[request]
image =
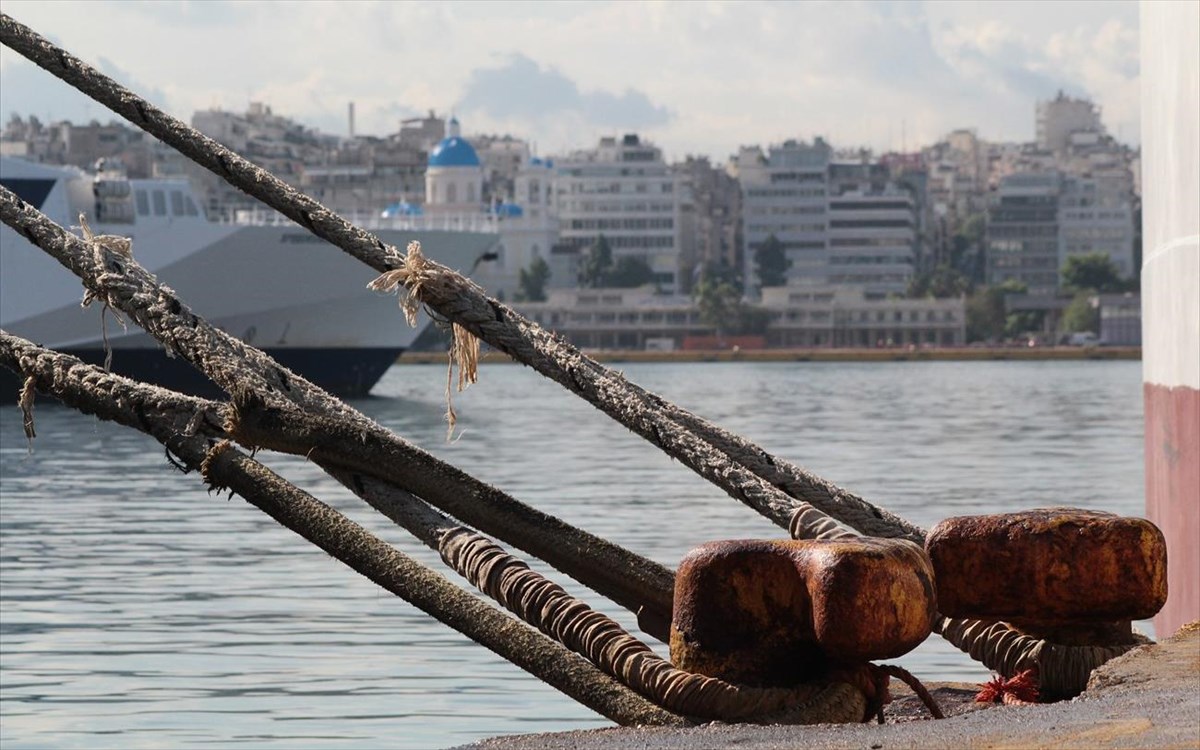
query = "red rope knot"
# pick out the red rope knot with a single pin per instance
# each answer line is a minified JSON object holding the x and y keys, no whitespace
{"x":872,"y":680}
{"x":1019,"y":690}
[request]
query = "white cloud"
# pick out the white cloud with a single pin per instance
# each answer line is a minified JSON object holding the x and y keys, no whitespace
{"x":695,"y":77}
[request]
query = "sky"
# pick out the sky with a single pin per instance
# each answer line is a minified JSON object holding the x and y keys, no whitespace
{"x":694,"y":77}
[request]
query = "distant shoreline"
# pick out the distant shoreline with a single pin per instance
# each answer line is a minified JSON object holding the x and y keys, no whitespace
{"x":948,"y":354}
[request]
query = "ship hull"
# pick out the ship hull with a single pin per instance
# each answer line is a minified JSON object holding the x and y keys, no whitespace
{"x":272,"y":285}
{"x":349,"y":372}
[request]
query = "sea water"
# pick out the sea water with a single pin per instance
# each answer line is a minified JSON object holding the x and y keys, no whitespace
{"x":137,"y":610}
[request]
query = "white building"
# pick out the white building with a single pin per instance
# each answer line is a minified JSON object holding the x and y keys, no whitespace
{"x":1061,"y":116}
{"x":1095,"y":215}
{"x":872,"y":239}
{"x":839,"y":222}
{"x":785,"y":195}
{"x":622,"y":189}
{"x":525,"y":223}
{"x":1022,"y":231}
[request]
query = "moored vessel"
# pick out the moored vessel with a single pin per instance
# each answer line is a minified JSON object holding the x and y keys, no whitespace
{"x":269,"y":282}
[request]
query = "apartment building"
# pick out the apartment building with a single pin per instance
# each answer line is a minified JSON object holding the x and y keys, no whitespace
{"x":839,"y":221}
{"x":711,"y":219}
{"x":785,"y":195}
{"x":622,"y":189}
{"x":1022,"y":231}
{"x":1096,"y":215}
{"x":1063,"y":115}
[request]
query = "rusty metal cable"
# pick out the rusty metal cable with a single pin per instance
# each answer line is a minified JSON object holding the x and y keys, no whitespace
{"x":545,"y":604}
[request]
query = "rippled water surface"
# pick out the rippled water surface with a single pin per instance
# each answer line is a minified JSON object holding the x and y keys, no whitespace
{"x":138,"y":611}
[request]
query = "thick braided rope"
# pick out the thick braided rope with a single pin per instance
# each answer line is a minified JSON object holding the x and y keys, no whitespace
{"x":809,"y":523}
{"x":185,"y":426}
{"x":493,"y":322}
{"x":629,"y":579}
{"x":547,"y":606}
{"x":1063,"y":670}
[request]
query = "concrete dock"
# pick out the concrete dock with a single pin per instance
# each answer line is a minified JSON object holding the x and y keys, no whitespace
{"x":1148,"y":698}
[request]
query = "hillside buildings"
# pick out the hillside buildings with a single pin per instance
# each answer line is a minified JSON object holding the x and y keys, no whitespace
{"x":847,"y":223}
{"x":1063,"y":116}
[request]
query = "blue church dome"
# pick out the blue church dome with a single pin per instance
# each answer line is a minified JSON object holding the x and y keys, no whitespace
{"x":453,"y":152}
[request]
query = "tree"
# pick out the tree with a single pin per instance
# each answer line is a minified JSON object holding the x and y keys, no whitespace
{"x":596,"y":264}
{"x":772,"y":262}
{"x":721,"y":306}
{"x":717,"y":303}
{"x":941,"y":283}
{"x":966,"y":253}
{"x":987,"y":317}
{"x":1080,"y":316}
{"x":1094,"y":271}
{"x":531,"y":282}
{"x":629,"y":271}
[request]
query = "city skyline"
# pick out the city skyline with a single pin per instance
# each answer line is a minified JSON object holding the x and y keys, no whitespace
{"x":886,"y":76}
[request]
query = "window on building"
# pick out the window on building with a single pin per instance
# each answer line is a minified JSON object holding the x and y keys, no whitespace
{"x":452,"y":193}
{"x":470,"y":192}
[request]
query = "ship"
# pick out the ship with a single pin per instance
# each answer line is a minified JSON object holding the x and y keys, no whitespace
{"x":254,"y":275}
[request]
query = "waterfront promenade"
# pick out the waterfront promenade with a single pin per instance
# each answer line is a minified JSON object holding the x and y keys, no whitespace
{"x":893,"y":354}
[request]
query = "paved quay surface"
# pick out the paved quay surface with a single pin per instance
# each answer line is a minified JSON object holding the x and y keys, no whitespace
{"x":1148,"y":698}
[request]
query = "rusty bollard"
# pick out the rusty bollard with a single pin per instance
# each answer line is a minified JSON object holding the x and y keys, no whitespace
{"x":782,"y":612}
{"x":1068,"y":578}
{"x":1058,"y":573}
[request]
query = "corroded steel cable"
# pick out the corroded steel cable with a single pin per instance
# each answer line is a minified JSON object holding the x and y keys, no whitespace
{"x":185,"y":425}
{"x":631,"y":580}
{"x":544,"y":604}
{"x":760,"y":480}
{"x":1062,"y":670}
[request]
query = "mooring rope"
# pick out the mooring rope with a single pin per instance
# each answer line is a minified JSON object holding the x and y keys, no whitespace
{"x":748,"y":473}
{"x":545,"y":604}
{"x":631,"y":580}
{"x":186,"y":426}
{"x":1062,"y":670}
{"x":666,"y":426}
{"x":809,"y":523}
{"x":480,"y":560}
